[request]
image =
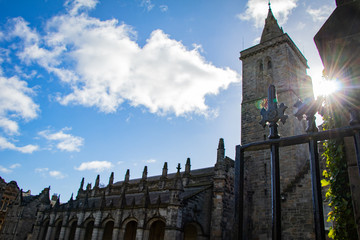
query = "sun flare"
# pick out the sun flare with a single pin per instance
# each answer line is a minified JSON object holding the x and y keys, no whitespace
{"x":326,"y":87}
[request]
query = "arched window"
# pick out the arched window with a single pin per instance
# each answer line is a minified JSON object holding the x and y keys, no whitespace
{"x":157,"y":230}
{"x":261,"y":67}
{"x":269,"y":64}
{"x":130,"y":230}
{"x":190,"y":232}
{"x":108,"y":230}
{"x":58,"y":229}
{"x":89,"y":230}
{"x":44,"y":230}
{"x":73,"y":226}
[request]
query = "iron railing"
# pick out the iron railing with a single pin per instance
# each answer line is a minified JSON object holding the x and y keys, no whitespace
{"x":271,"y":116}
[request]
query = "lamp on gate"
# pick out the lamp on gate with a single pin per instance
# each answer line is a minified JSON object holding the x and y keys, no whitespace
{"x":338,"y":43}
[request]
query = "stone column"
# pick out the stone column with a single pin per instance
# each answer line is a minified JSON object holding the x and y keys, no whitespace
{"x":120,"y":234}
{"x":100,"y":233}
{"x":67,"y":232}
{"x":82,"y":234}
{"x":173,"y":234}
{"x":97,"y":225}
{"x":142,"y":234}
{"x":218,"y":194}
{"x":79,"y":229}
{"x":117,"y":222}
{"x":50,"y":231}
{"x":64,"y":227}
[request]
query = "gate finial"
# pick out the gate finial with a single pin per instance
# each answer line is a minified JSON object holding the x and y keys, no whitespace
{"x":308,"y":108}
{"x":273,"y":114}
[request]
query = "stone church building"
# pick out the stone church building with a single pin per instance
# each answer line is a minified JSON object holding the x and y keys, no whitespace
{"x":195,"y":204}
{"x":189,"y":204}
{"x":275,"y":60}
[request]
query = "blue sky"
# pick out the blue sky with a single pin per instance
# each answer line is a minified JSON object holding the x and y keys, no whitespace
{"x":89,"y":87}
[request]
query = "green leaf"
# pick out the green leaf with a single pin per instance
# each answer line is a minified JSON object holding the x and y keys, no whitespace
{"x":324,"y":182}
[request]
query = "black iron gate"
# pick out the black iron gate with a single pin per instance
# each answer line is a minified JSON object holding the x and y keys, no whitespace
{"x":271,"y":116}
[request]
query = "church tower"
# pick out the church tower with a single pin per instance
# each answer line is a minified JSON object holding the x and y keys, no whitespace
{"x":275,"y":60}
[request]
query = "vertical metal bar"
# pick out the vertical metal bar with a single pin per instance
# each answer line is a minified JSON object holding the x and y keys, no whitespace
{"x":275,"y":192}
{"x":316,"y":191}
{"x":239,"y":191}
{"x":357,"y":147}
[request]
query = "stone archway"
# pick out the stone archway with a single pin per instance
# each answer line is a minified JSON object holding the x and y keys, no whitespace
{"x":44,"y":229}
{"x":58,"y":226}
{"x":108,"y":230}
{"x":157,"y":230}
{"x":89,"y":227}
{"x":130,"y":230}
{"x":73,"y":226}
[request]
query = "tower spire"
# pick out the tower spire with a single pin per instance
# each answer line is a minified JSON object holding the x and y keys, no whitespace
{"x":271,"y":28}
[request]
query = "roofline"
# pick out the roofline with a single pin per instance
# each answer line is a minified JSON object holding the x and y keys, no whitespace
{"x":265,"y":45}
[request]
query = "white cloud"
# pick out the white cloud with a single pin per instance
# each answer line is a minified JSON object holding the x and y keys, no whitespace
{"x":5,"y":144}
{"x":65,"y":141}
{"x":15,"y":103}
{"x":57,"y":174}
{"x":163,"y":8}
{"x":320,"y":14}
{"x":45,"y":172}
{"x":9,"y":169}
{"x":256,"y":11}
{"x":40,"y":170}
{"x":4,"y":170}
{"x":108,"y":67}
{"x":15,"y":165}
{"x":151,"y":160}
{"x":74,"y":6}
{"x":97,"y":166}
{"x":147,"y":4}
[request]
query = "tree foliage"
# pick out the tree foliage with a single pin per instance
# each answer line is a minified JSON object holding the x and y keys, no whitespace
{"x":336,"y":180}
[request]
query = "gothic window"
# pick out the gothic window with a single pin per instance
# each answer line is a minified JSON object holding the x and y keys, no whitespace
{"x":130,"y":230}
{"x":72,"y":230}
{"x":268,"y":76}
{"x":269,"y":65}
{"x":44,"y":230}
{"x":89,"y":230}
{"x":157,"y":230}
{"x":58,"y":229}
{"x":190,"y":232}
{"x":108,"y":230}
{"x":259,"y":75}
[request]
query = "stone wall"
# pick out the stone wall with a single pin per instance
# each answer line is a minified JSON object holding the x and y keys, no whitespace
{"x":8,"y":194}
